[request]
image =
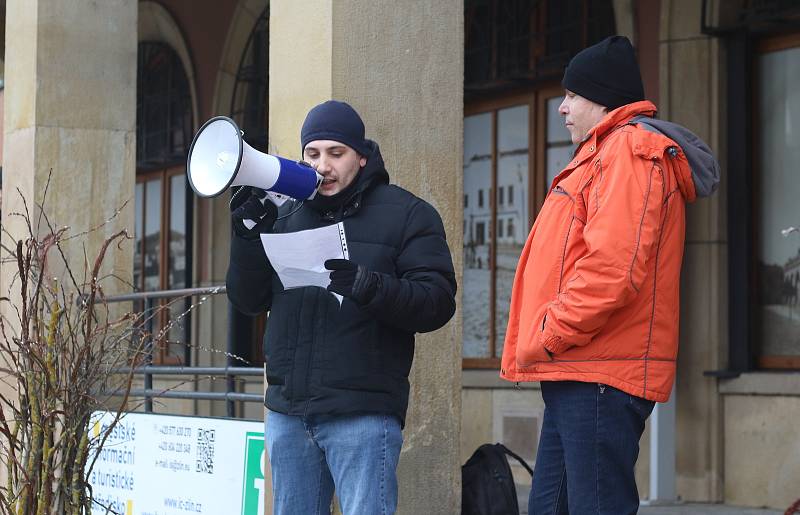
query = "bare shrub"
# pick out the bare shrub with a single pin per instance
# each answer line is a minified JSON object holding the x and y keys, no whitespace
{"x":59,"y":347}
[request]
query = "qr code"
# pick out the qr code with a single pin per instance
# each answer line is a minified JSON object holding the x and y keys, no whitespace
{"x":205,"y":450}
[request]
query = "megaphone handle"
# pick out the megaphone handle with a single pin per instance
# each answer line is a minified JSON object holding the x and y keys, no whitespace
{"x":271,"y":196}
{"x":276,"y":198}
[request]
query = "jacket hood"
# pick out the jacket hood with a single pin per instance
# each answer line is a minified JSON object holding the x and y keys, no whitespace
{"x":704,"y":166}
{"x":374,"y":172}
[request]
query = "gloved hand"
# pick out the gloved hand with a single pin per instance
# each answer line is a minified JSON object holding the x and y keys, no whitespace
{"x":352,"y":280}
{"x":251,"y":212}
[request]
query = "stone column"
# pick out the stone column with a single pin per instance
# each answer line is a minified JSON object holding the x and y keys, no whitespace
{"x":400,"y":64}
{"x":70,"y":111}
{"x":70,"y":114}
{"x":690,"y":94}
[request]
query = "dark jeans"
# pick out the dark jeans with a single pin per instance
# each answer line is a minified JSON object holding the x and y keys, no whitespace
{"x":587,"y":450}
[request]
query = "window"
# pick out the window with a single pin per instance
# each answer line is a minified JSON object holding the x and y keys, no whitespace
{"x":163,"y":107}
{"x":762,"y":123}
{"x":250,"y":110}
{"x":777,"y":108}
{"x":515,"y":142}
{"x":480,"y":238}
{"x":559,"y":147}
{"x":513,"y":42}
{"x":249,"y":104}
{"x":161,"y":252}
{"x":500,"y":152}
{"x":162,"y":235}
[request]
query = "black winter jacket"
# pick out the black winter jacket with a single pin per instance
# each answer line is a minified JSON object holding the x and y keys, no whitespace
{"x":323,"y":359}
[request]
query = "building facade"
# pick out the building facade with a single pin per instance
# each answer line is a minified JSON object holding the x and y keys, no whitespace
{"x":462,"y":95}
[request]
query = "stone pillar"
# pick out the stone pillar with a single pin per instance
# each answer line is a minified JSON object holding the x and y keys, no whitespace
{"x":70,"y":108}
{"x":690,"y":94}
{"x":400,"y":64}
{"x":70,"y":111}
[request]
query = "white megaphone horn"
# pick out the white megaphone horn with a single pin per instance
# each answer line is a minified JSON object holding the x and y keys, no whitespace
{"x":219,"y":158}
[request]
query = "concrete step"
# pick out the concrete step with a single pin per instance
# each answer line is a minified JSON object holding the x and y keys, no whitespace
{"x":704,"y":509}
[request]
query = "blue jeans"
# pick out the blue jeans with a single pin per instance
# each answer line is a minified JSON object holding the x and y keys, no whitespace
{"x":587,"y":450}
{"x":357,"y":455}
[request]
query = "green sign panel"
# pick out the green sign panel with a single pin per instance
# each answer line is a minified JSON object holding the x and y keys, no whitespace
{"x":253,"y":490}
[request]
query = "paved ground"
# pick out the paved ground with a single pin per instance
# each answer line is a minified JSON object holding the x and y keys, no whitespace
{"x":704,"y":509}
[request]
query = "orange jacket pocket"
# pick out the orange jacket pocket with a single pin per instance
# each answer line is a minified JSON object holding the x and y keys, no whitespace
{"x":531,"y":350}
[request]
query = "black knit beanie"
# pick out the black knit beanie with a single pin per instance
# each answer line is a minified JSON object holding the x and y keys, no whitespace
{"x":335,"y":121}
{"x":606,"y":73}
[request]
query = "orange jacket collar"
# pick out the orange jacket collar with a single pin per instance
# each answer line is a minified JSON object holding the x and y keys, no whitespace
{"x":620,"y":116}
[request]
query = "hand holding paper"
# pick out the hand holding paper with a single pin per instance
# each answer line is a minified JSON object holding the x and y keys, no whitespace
{"x":299,"y":257}
{"x":352,"y":280}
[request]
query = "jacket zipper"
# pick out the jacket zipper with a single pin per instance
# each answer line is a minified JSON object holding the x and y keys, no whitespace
{"x":310,"y":364}
{"x":336,"y":219}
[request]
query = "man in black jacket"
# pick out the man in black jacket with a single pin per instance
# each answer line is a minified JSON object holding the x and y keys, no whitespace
{"x":338,"y":375}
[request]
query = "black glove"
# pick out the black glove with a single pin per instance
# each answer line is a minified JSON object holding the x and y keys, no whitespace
{"x":247,"y":204}
{"x":349,"y":279}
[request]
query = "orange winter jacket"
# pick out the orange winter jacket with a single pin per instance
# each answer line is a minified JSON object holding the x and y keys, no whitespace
{"x":596,"y":291}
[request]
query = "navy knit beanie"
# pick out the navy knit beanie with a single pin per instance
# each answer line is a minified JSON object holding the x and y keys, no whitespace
{"x":606,"y":73}
{"x":336,"y":121}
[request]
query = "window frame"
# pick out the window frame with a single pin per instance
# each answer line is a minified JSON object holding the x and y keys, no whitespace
{"x":176,"y":77}
{"x":240,"y":110}
{"x":162,"y":354}
{"x":763,"y":45}
{"x":249,"y":330}
{"x":536,"y":100}
{"x":546,"y":59}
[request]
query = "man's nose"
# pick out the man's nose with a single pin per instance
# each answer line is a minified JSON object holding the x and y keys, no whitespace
{"x":323,"y":165}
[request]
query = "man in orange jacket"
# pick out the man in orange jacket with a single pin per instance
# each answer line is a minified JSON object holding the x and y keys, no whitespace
{"x":594,"y":308}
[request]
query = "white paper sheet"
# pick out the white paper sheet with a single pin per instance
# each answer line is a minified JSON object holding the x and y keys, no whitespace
{"x":299,"y":257}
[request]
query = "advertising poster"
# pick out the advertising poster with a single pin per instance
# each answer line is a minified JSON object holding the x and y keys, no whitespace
{"x":169,"y":465}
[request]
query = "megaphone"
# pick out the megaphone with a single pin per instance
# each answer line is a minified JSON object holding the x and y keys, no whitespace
{"x":219,"y":158}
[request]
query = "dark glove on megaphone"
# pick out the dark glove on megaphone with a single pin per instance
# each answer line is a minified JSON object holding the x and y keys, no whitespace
{"x":250,"y":203}
{"x":351,"y":280}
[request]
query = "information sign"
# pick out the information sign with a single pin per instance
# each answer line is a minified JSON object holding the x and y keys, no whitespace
{"x":164,"y":465}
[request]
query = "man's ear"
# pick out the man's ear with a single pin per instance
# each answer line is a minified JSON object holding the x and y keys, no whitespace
{"x":362,"y":161}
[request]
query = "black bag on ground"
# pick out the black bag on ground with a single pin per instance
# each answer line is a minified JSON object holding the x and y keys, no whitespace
{"x":487,"y":486}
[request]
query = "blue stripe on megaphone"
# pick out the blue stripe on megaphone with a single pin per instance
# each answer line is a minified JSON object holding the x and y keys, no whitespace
{"x":295,"y":180}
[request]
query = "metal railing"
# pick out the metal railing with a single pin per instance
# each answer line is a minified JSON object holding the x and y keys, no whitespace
{"x":148,"y":370}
